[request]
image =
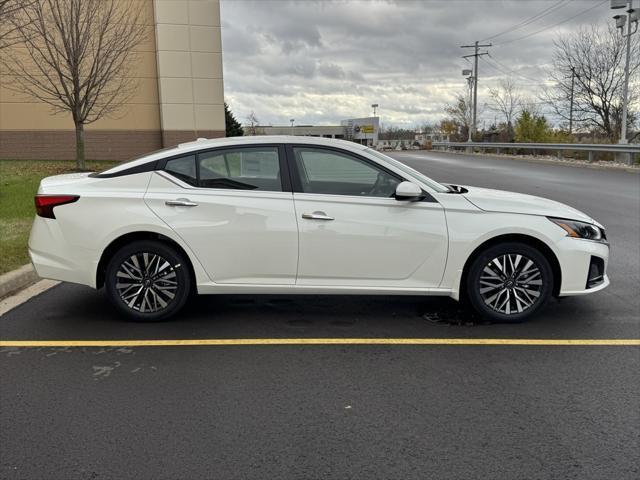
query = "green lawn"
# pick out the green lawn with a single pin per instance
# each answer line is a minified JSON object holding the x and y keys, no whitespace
{"x":19,"y":181}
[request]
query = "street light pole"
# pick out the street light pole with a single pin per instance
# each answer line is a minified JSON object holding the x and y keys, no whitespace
{"x":621,"y":20}
{"x":471,"y":80}
{"x":625,"y":87}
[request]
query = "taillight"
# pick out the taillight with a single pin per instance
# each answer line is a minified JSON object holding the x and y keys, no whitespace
{"x":46,"y":203}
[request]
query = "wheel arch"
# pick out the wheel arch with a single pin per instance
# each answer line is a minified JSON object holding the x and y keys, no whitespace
{"x":127,"y":238}
{"x":534,"y":242}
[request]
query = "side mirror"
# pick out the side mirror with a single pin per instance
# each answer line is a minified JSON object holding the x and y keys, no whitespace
{"x":409,"y":191}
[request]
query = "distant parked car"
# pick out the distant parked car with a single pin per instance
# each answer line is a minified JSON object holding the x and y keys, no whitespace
{"x":274,"y":215}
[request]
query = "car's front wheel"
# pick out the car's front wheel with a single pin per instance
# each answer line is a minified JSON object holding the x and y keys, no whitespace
{"x":148,"y":280}
{"x":509,"y":282}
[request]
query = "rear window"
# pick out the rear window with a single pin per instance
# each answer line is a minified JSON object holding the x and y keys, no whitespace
{"x":128,"y":166}
{"x":183,"y":168}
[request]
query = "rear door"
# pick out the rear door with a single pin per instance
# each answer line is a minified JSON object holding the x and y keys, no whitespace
{"x":234,"y":208}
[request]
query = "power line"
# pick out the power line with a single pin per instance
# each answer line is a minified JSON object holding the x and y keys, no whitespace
{"x":495,"y":60}
{"x":509,"y":70}
{"x":554,"y":25}
{"x":534,"y":18}
{"x":495,"y":67}
{"x":520,"y":84}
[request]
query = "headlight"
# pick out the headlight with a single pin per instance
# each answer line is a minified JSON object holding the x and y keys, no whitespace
{"x":583,"y":230}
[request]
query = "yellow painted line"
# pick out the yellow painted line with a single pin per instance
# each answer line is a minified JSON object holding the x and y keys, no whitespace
{"x":319,"y":341}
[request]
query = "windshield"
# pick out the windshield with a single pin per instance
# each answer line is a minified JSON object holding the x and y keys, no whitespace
{"x":409,"y":171}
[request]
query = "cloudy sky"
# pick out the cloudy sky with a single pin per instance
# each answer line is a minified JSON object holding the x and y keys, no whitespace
{"x":321,"y":61}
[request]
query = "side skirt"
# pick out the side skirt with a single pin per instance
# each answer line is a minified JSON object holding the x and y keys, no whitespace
{"x":239,"y":289}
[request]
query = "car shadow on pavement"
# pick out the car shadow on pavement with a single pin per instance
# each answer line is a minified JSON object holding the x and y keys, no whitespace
{"x":72,"y":311}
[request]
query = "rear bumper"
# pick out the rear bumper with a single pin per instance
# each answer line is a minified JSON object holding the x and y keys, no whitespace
{"x":55,"y":258}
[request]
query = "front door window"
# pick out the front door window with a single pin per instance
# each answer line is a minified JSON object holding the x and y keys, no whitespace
{"x":334,"y":173}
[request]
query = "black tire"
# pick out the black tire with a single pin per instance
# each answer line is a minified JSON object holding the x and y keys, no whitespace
{"x":163,"y":286}
{"x":488,"y":288}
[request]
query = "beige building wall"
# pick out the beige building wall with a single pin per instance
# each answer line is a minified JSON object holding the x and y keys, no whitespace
{"x":189,"y":54}
{"x":180,"y":94}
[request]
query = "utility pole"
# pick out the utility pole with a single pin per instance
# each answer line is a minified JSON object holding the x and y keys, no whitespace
{"x":573,"y":78}
{"x":476,"y":46}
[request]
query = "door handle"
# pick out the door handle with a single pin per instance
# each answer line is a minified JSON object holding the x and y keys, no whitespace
{"x":180,"y":202}
{"x":317,"y":215}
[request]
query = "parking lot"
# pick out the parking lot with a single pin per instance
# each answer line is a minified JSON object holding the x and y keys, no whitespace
{"x":277,"y":407}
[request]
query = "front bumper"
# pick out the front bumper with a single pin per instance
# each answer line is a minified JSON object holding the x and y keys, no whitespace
{"x":601,"y":286}
{"x":577,"y":257}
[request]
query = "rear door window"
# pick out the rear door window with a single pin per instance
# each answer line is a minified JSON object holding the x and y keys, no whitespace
{"x":250,"y":168}
{"x":243,"y":168}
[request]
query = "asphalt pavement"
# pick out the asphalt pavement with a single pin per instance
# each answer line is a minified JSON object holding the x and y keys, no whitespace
{"x":340,"y":411}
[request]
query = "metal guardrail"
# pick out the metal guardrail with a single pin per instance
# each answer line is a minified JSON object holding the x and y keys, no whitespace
{"x":588,"y":147}
{"x":624,"y":152}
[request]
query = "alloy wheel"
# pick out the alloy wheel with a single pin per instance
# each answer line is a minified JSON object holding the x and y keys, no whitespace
{"x":510,"y":283}
{"x":147,"y":282}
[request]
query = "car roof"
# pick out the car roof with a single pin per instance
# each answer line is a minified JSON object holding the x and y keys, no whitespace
{"x":208,"y":143}
{"x":215,"y":142}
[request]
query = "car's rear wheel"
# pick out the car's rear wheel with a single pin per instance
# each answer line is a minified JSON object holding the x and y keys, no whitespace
{"x":148,"y":280}
{"x":509,"y":282}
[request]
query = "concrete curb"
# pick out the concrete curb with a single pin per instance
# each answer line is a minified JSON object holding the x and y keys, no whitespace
{"x":18,"y":279}
{"x":18,"y":298}
{"x":563,"y":163}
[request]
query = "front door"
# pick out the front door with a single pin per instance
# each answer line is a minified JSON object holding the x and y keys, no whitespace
{"x":231,"y":207}
{"x":352,"y":232}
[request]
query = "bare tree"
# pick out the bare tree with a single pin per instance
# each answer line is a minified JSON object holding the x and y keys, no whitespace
{"x":396,"y":133}
{"x":461,"y":113}
{"x":77,"y":57}
{"x":9,"y":15}
{"x":596,"y":59}
{"x":447,"y":127}
{"x":253,"y":125}
{"x":506,"y":101}
{"x":427,"y":127}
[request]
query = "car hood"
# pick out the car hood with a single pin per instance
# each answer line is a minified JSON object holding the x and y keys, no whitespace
{"x":511,"y":202}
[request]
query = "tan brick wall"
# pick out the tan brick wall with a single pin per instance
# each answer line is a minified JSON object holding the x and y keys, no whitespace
{"x":174,"y":137}
{"x":60,"y":144}
{"x":101,"y":144}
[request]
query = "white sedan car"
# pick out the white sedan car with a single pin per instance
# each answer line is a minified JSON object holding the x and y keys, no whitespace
{"x":290,"y":215}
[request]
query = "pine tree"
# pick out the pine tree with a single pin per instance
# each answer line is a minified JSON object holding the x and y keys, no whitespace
{"x":533,"y":128}
{"x":233,"y":127}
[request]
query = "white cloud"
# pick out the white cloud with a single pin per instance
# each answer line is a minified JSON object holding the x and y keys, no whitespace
{"x":322,"y":61}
